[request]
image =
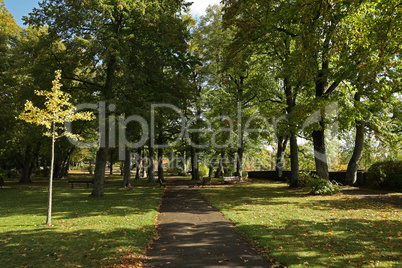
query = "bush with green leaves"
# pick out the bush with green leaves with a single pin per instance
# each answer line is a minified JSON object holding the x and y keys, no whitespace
{"x":385,"y":175}
{"x":203,"y":170}
{"x":317,"y":185}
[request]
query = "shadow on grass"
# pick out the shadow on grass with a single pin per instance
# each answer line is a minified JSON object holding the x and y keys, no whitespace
{"x":88,"y":232}
{"x":71,"y":203}
{"x":252,"y":194}
{"x":79,"y":248}
{"x":323,"y":231}
{"x":341,"y":243}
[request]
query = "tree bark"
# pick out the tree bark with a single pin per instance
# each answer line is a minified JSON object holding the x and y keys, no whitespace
{"x":161,"y":178}
{"x":185,"y":162}
{"x":111,"y":168}
{"x":50,"y":200}
{"x":26,"y":166}
{"x":294,"y":156}
{"x":320,"y":155}
{"x":100,"y":169}
{"x":138,"y":164}
{"x":221,"y":170}
{"x":151,"y":174}
{"x":103,"y":152}
{"x":239,"y":166}
{"x":127,"y":169}
{"x":353,"y":166}
{"x":280,"y":155}
{"x":194,"y":164}
{"x":294,"y":162}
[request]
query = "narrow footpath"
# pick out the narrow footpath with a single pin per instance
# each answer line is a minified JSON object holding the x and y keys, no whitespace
{"x":194,"y":234}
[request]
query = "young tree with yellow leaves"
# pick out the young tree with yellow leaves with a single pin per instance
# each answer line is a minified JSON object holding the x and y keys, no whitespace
{"x":58,"y":111}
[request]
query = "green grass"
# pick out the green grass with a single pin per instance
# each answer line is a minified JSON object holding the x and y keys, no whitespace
{"x":301,"y":230}
{"x":87,"y":232}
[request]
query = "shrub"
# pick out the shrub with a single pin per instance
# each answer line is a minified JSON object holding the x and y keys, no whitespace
{"x":244,"y":174}
{"x":385,"y":175}
{"x":317,"y":185}
{"x":3,"y":174}
{"x":203,"y":170}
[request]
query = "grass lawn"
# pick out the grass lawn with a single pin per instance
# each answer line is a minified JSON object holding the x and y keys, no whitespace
{"x":87,"y":232}
{"x":301,"y":230}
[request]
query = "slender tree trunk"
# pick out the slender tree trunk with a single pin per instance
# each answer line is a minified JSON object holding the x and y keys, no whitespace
{"x":353,"y":166}
{"x":239,"y":166}
{"x":127,"y":169}
{"x":161,"y":178}
{"x":49,"y":207}
{"x":26,"y":167}
{"x":221,"y":169}
{"x":280,"y":155}
{"x":185,"y":162}
{"x":294,"y":162}
{"x":111,"y":168}
{"x":151,"y":173}
{"x":194,"y":164}
{"x":138,"y":164}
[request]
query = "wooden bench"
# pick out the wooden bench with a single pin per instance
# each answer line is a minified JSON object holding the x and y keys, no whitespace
{"x":80,"y":182}
{"x":231,"y":179}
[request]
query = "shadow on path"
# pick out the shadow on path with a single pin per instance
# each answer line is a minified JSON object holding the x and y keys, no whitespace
{"x":194,"y":234}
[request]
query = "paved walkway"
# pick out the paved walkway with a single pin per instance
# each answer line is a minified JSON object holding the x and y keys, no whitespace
{"x":193,"y":234}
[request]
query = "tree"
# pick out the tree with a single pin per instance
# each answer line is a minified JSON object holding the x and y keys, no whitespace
{"x":108,"y":39}
{"x":58,"y":111}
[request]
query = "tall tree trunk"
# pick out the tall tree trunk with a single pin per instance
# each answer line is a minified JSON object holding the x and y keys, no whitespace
{"x":185,"y":162}
{"x":151,"y":174}
{"x":138,"y":164}
{"x":239,"y":166}
{"x":221,"y":169}
{"x":194,"y":164}
{"x":50,"y":200}
{"x":143,"y":167}
{"x":100,"y":169}
{"x":127,"y":169}
{"x":353,"y":166}
{"x":26,"y":166}
{"x":103,"y":152}
{"x":294,"y":162}
{"x":280,"y":155}
{"x":294,"y":157}
{"x":111,"y":168}
{"x":161,"y":179}
{"x":320,"y":155}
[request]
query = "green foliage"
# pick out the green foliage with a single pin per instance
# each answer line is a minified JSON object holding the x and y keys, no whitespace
{"x":203,"y":170}
{"x":244,"y":174}
{"x":3,"y":174}
{"x":317,"y":185}
{"x":387,"y":175}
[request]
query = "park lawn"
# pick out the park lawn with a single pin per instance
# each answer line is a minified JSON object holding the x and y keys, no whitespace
{"x":301,"y":230}
{"x":87,"y":232}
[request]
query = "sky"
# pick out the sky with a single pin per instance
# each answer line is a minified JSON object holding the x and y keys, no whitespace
{"x":20,"y":8}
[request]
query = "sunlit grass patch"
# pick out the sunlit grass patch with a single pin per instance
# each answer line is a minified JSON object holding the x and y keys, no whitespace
{"x":87,"y":232}
{"x":318,"y":231}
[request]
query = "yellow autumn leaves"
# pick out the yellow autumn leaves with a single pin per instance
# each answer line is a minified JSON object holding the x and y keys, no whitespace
{"x":57,"y":111}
